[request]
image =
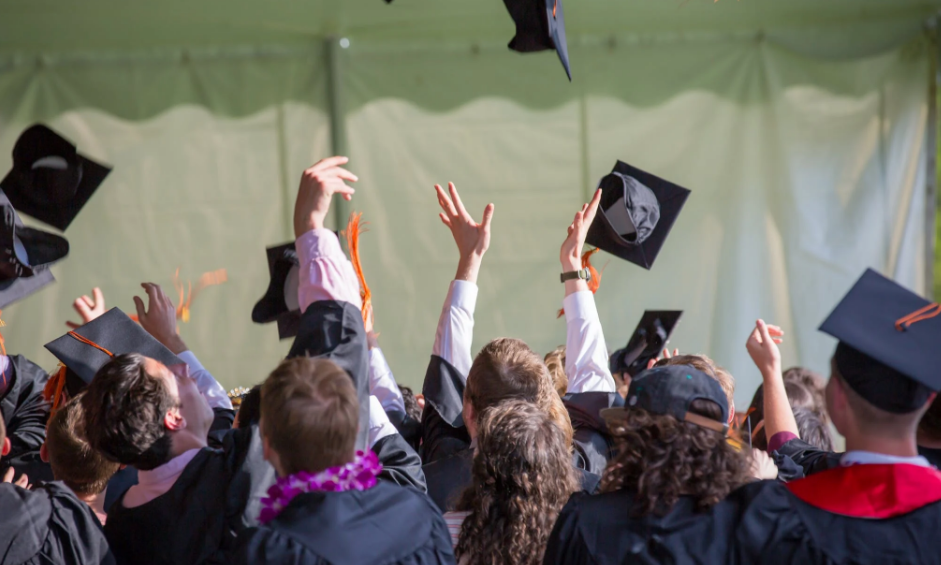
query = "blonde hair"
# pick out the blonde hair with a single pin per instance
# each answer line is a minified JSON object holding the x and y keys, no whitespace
{"x":555,"y":363}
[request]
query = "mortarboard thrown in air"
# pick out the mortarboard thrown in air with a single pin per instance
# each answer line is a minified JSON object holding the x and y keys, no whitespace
{"x":280,"y":302}
{"x":889,"y":346}
{"x":83,"y":351}
{"x":540,"y":25}
{"x":25,"y":256}
{"x":50,"y":180}
{"x":636,"y":213}
{"x":651,"y":336}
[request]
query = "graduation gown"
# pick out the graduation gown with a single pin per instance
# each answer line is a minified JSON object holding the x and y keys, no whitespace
{"x":861,"y":514}
{"x":386,"y":525}
{"x":25,"y":414}
{"x":48,"y":524}
{"x":601,"y":530}
{"x":592,"y":442}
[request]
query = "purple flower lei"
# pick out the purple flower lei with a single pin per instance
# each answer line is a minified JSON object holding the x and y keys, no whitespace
{"x":358,"y":474}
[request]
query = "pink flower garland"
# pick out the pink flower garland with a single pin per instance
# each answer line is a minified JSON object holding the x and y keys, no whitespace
{"x":358,"y":474}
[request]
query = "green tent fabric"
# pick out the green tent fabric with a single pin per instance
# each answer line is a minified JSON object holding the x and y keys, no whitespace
{"x":800,"y":127}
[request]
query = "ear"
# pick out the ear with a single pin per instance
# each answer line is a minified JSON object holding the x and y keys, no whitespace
{"x":44,"y":453}
{"x":731,"y":414}
{"x":7,"y":446}
{"x":173,"y":420}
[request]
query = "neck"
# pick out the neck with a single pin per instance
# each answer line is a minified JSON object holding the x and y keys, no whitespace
{"x":96,"y":502}
{"x":896,"y":447}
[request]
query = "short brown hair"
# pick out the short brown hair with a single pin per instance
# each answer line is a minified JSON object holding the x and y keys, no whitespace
{"x":555,"y":363}
{"x":815,"y":386}
{"x":72,"y":459}
{"x":310,"y":414}
{"x":706,"y":365}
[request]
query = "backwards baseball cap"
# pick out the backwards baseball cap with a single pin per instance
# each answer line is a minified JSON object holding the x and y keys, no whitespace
{"x":669,"y":391}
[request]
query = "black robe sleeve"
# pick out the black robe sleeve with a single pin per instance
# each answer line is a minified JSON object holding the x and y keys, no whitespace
{"x":400,"y":464}
{"x":334,"y":330}
{"x":442,"y":423}
{"x":801,"y":454}
{"x":25,"y":414}
{"x":593,"y":445}
{"x":566,"y":545}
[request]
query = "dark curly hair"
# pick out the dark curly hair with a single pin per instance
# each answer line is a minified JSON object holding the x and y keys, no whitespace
{"x":661,"y":458}
{"x":522,"y":476}
{"x":124,"y":413}
{"x":412,"y":409}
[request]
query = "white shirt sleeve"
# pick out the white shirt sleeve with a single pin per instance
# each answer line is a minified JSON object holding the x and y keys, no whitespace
{"x":382,"y":383}
{"x":456,"y":326}
{"x":324,"y":271}
{"x":586,"y":356}
{"x":379,"y":424}
{"x":205,"y":382}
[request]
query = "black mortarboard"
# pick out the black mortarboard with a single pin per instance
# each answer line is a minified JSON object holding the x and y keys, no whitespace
{"x":50,"y":180}
{"x":85,"y":350}
{"x":651,"y":336}
{"x":890,"y":343}
{"x":540,"y":25}
{"x":25,"y":256}
{"x":636,"y":213}
{"x":280,"y":302}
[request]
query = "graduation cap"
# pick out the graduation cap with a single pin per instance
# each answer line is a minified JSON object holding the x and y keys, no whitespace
{"x":280,"y":302}
{"x":650,"y":337}
{"x":540,"y":25}
{"x":890,"y":343}
{"x":25,"y":256}
{"x":636,"y":213}
{"x":50,"y":180}
{"x":83,"y":351}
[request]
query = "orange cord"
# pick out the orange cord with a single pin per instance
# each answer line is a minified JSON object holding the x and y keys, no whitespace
{"x":354,"y":228}
{"x":55,"y":387}
{"x":920,"y":315}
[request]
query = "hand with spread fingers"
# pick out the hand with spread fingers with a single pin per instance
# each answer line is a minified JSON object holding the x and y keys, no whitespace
{"x":571,"y":252}
{"x":88,"y":308}
{"x":472,"y":238}
{"x":159,"y":319}
{"x":22,"y":482}
{"x":665,"y":354}
{"x":318,"y":185}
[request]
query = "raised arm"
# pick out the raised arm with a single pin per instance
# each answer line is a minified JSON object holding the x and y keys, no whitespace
{"x":586,"y":355}
{"x":762,"y":346}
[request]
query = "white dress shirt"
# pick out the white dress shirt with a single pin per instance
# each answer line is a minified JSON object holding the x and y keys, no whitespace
{"x":382,"y":383}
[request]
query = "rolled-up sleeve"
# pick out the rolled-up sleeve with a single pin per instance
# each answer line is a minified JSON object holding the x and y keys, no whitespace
{"x":325,"y":272}
{"x":455,"y":332}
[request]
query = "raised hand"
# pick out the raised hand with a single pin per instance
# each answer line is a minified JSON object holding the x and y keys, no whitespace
{"x":22,"y":482}
{"x":159,"y":319}
{"x":472,"y":238}
{"x":318,"y":185}
{"x":762,"y":346}
{"x":665,"y":354}
{"x":88,"y":308}
{"x":571,"y":252}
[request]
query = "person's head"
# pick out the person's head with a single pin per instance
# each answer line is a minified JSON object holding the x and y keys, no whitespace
{"x":139,"y":412}
{"x":798,"y":396}
{"x":855,"y":414}
{"x":506,"y":369}
{"x":815,"y":385}
{"x":412,"y":409}
{"x":930,"y":425}
{"x":309,"y":416}
{"x":250,"y":409}
{"x":522,"y":476}
{"x":708,"y":366}
{"x":812,"y":429}
{"x":555,"y":363}
{"x":671,"y":441}
{"x":73,"y":461}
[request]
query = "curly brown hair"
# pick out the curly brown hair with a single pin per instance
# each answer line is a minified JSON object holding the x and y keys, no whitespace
{"x":522,"y":476}
{"x":661,"y":458}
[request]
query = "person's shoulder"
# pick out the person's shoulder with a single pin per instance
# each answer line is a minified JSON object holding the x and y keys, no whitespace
{"x":263,"y":544}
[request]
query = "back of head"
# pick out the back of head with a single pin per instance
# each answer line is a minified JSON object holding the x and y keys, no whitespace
{"x":812,"y":429}
{"x":555,"y":363}
{"x":505,"y":368}
{"x":250,"y":409}
{"x":661,"y":458}
{"x":522,"y":476}
{"x":72,"y":459}
{"x":708,"y":366}
{"x":815,"y":386}
{"x":798,"y":396}
{"x":412,"y":409}
{"x":871,"y":420}
{"x":309,"y":415}
{"x":124,"y":413}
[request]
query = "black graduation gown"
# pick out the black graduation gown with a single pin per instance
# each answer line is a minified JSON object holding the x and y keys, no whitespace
{"x":861,"y":515}
{"x":25,"y":414}
{"x":48,"y":524}
{"x":593,"y":445}
{"x":386,"y":525}
{"x":601,"y":530}
{"x":409,"y":428}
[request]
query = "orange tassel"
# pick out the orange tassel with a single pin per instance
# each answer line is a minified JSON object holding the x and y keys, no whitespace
{"x":595,"y":281}
{"x":185,"y":302}
{"x":54,"y":391}
{"x":354,"y":228}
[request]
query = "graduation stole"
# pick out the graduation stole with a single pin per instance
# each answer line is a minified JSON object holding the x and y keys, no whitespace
{"x":358,"y":474}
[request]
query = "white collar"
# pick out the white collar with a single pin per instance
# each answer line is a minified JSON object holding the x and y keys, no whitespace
{"x":870,"y":458}
{"x":171,"y":469}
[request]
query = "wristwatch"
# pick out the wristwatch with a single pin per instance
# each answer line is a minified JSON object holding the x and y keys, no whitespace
{"x":583,"y":274}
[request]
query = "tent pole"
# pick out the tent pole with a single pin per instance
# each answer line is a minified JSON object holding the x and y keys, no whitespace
{"x":931,"y":188}
{"x":333,"y":50}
